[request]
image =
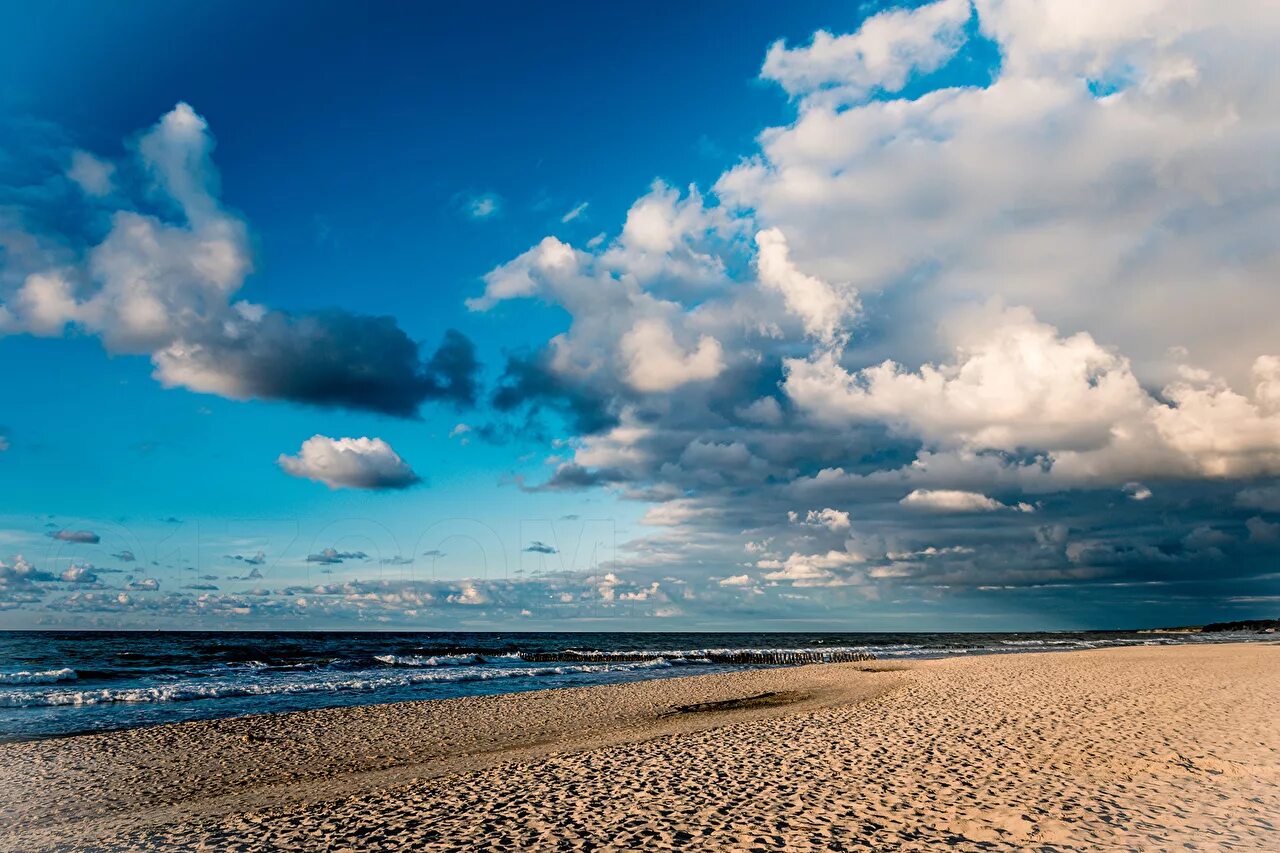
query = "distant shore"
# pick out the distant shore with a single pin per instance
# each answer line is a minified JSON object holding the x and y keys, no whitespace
{"x":1145,"y":746}
{"x":1251,"y":626}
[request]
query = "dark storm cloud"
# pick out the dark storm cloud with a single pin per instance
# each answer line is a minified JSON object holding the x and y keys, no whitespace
{"x":570,"y":477}
{"x":335,"y":360}
{"x":528,"y":383}
{"x":536,"y":547}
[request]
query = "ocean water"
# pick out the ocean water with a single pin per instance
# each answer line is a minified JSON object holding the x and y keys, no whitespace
{"x":61,"y":683}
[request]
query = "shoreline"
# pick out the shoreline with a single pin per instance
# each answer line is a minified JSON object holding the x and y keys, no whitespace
{"x":136,"y":786}
{"x":53,"y":699}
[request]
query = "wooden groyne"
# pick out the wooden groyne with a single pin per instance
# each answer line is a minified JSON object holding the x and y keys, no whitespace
{"x":780,"y":657}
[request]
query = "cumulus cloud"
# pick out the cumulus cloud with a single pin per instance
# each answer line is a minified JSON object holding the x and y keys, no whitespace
{"x":1021,"y":386}
{"x":657,"y":362}
{"x":470,"y":595}
{"x":1003,"y":256}
{"x":350,"y":463}
{"x":20,"y":573}
{"x":829,"y":569}
{"x":1017,"y":384}
{"x":168,"y":288}
{"x":832,"y":519}
{"x":954,"y":500}
{"x":825,"y":310}
{"x":988,"y":281}
{"x":79,"y":574}
{"x":885,"y":52}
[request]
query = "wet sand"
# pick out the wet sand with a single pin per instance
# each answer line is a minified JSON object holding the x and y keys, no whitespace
{"x":1147,"y":747}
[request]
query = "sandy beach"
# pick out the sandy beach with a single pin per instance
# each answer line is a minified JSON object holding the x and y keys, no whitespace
{"x":1148,"y":747}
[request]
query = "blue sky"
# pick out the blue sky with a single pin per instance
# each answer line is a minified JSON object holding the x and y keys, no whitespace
{"x":999,"y":210}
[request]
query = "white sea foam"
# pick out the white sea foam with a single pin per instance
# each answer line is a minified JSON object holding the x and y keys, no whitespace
{"x":184,"y":691}
{"x":701,"y":655}
{"x":48,"y":676}
{"x":433,"y":660}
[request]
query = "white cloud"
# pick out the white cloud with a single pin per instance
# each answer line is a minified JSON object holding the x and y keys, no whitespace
{"x":954,"y":500}
{"x":350,"y":463}
{"x":656,"y":362}
{"x":833,"y":519}
{"x":166,"y":287}
{"x":882,"y":55}
{"x":1016,"y":384}
{"x":824,"y":309}
{"x":91,"y":174}
{"x":996,"y":288}
{"x":483,"y":206}
{"x":470,"y":595}
{"x":829,"y":569}
{"x":79,"y":574}
{"x":43,"y":305}
{"x":673,"y":513}
{"x":524,"y":276}
{"x":575,"y":212}
{"x":736,"y":580}
{"x":1137,"y":491}
{"x":1107,"y":214}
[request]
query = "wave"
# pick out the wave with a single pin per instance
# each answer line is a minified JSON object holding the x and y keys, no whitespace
{"x":702,"y":655}
{"x":431,"y":660}
{"x":224,"y":688}
{"x":48,"y":676}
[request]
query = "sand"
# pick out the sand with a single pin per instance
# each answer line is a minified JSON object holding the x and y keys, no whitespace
{"x":1139,"y":748}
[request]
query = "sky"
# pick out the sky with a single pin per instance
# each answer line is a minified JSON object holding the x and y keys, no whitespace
{"x":755,"y":316}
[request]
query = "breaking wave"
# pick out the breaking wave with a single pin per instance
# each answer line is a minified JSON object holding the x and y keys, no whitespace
{"x":191,"y":690}
{"x":48,"y":676}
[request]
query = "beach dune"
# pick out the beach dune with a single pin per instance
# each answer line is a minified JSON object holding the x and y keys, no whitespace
{"x":1146,"y":747}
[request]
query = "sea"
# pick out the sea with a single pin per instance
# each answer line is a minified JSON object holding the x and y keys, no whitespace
{"x":55,"y":684}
